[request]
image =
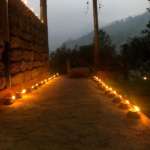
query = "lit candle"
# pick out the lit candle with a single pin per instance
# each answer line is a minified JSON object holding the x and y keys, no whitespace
{"x":145,"y":78}
{"x":135,"y":109}
{"x":127,"y":102}
{"x":23,"y":91}
{"x":36,"y":84}
{"x":13,"y":97}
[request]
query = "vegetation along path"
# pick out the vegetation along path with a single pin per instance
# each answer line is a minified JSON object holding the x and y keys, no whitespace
{"x":69,"y":114}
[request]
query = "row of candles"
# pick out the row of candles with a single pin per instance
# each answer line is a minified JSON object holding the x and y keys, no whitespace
{"x":117,"y":98}
{"x":20,"y":94}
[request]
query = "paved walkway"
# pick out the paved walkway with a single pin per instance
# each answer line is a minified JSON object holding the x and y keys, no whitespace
{"x":69,"y":114}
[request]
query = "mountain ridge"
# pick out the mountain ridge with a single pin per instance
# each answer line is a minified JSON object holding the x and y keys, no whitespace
{"x":120,"y":31}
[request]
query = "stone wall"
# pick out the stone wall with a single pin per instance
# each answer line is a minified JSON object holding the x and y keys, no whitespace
{"x":2,"y":68}
{"x":28,"y":52}
{"x":3,"y":39}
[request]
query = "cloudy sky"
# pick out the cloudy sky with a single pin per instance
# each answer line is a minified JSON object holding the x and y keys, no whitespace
{"x":70,"y":19}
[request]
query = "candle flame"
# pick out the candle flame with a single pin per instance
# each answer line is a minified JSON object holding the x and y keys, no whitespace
{"x":127,"y":102}
{"x":135,"y":109}
{"x":13,"y":97}
{"x":145,"y":78}
{"x":24,"y":91}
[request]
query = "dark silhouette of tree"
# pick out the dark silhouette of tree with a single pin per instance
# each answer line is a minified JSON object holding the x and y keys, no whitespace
{"x":137,"y":52}
{"x":83,"y":56}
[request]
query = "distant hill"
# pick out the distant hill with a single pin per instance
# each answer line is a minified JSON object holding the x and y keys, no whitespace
{"x":119,"y":31}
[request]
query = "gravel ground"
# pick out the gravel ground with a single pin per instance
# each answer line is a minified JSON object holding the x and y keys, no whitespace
{"x":70,"y":114}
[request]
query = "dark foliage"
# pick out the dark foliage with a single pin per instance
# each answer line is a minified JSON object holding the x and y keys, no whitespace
{"x":137,"y":52}
{"x":83,"y":56}
{"x":119,"y":31}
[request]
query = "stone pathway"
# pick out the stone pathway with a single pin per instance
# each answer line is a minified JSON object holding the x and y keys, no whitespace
{"x":69,"y":114}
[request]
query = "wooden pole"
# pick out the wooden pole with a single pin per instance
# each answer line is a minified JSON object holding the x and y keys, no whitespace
{"x":43,"y":11}
{"x":43,"y":18}
{"x":96,"y":34}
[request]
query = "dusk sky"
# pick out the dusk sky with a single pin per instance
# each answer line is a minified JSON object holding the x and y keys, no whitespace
{"x":70,"y":19}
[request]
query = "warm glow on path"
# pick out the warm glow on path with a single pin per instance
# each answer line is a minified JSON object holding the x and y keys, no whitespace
{"x":70,"y":114}
{"x":132,"y":109}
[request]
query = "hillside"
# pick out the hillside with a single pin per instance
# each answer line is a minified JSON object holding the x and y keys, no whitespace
{"x":119,"y":31}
